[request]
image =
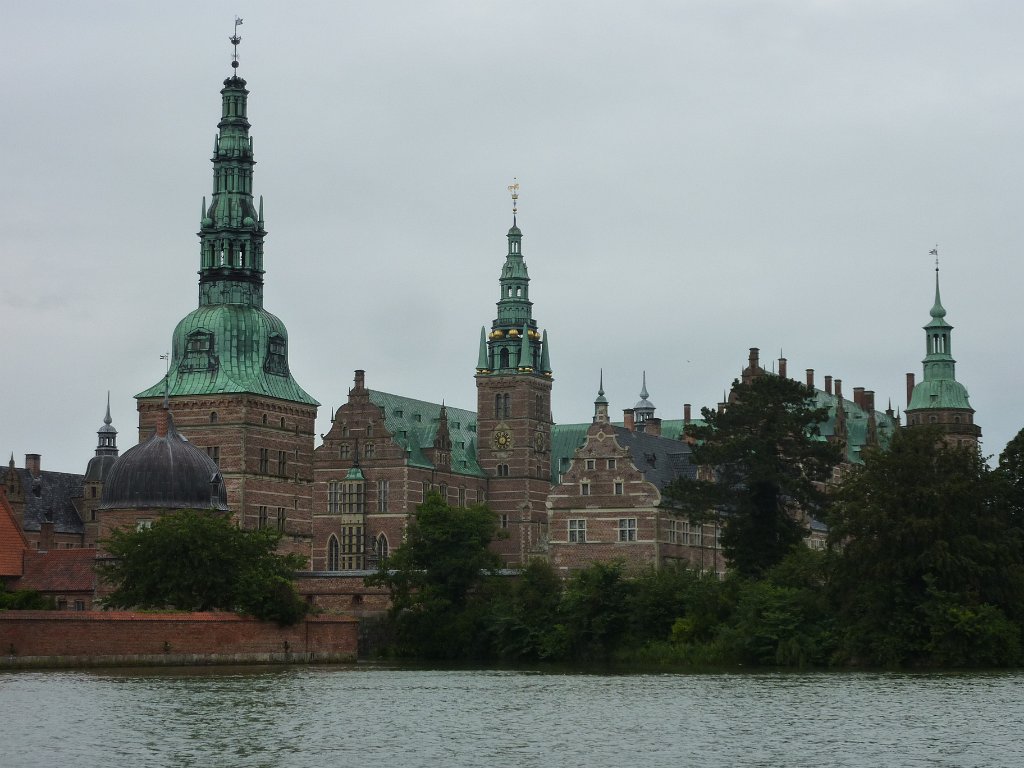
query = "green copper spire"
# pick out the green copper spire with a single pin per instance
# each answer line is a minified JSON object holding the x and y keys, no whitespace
{"x":481,"y":360}
{"x":514,"y":344}
{"x":230,"y":343}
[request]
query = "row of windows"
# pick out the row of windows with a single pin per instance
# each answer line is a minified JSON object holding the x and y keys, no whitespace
{"x":349,"y":553}
{"x":282,"y":462}
{"x":348,"y":498}
{"x":617,"y":488}
{"x":679,"y":531}
{"x":501,"y":470}
{"x":263,"y":519}
{"x":215,"y":418}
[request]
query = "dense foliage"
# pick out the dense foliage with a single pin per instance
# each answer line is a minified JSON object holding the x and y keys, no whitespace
{"x":25,"y":600}
{"x":926,"y":569}
{"x":201,"y":561}
{"x":767,"y":462}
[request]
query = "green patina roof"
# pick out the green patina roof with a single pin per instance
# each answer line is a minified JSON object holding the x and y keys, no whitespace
{"x":238,"y":357}
{"x":856,"y":425}
{"x":939,"y":394}
{"x":414,"y":425}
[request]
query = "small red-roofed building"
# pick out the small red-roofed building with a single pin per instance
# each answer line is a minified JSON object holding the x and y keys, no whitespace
{"x":66,"y":575}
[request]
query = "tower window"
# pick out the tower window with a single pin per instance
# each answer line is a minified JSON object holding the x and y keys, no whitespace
{"x":504,"y":358}
{"x":506,"y":402}
{"x":199,"y":352}
{"x":502,"y":470}
{"x":332,"y":553}
{"x":213,"y":417}
{"x":276,"y":361}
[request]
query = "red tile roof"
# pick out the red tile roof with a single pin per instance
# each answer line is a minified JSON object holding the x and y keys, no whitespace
{"x":12,"y":541}
{"x":59,"y":570}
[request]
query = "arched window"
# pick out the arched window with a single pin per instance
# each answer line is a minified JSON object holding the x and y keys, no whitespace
{"x":282,"y":422}
{"x":382,"y":546}
{"x":213,"y":417}
{"x":264,"y":418}
{"x":369,"y":430}
{"x":332,"y":553}
{"x":504,"y":358}
{"x":444,"y":491}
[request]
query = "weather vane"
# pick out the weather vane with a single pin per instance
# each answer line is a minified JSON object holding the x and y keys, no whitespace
{"x":514,"y":189}
{"x":166,"y":357}
{"x":935,"y":252}
{"x":235,"y":40}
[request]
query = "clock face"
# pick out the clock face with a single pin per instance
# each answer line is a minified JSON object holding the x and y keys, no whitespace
{"x":502,"y":440}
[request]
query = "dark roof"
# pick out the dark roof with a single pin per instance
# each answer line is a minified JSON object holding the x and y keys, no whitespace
{"x":661,"y":459}
{"x":59,"y":570}
{"x":99,"y":468}
{"x":164,"y":472}
{"x":52,"y":493}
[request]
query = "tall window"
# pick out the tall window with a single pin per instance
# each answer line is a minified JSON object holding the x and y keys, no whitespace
{"x":627,"y":529}
{"x":382,"y":546}
{"x":345,"y":450}
{"x":262,"y":517}
{"x":585,"y":488}
{"x":673,"y":531}
{"x":694,"y":533}
{"x":577,"y":531}
{"x":444,"y":491}
{"x":332,"y":553}
{"x":351,"y":547}
{"x":506,"y":403}
{"x":213,"y":417}
{"x":352,"y":498}
{"x":264,"y":461}
{"x":382,"y":495}
{"x":503,"y":521}
{"x":280,"y":519}
{"x":502,"y":470}
{"x":462,"y":496}
{"x":333,"y":497}
{"x":369,"y":450}
{"x":617,"y":487}
{"x":282,"y":463}
{"x":214,"y":453}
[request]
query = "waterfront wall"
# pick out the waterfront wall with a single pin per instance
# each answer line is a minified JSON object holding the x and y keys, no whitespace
{"x":123,"y":638}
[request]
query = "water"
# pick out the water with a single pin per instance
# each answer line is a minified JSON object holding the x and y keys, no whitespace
{"x":403,"y":718}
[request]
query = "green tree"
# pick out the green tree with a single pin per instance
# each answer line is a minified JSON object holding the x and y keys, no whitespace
{"x":439,"y":581}
{"x":929,"y":568}
{"x":768,"y":463}
{"x":524,"y":618}
{"x":200,"y":561}
{"x":1011,"y":473}
{"x":594,"y":613}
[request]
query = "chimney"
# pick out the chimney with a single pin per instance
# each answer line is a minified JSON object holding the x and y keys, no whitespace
{"x":360,"y":379}
{"x":752,"y":361}
{"x":858,"y":397}
{"x":810,"y":378}
{"x":653,"y":426}
{"x":32,"y":462}
{"x":686,"y":413}
{"x":627,"y":419}
{"x":869,"y":401}
{"x":828,"y":385}
{"x":782,"y":367}
{"x":839,"y":388}
{"x":910,"y":387}
{"x":46,"y":532}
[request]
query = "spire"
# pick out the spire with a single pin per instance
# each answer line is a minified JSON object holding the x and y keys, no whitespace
{"x":545,"y":358}
{"x":481,"y":360}
{"x":526,"y":351}
{"x":601,"y":403}
{"x":107,"y":443}
{"x":643,"y":388}
{"x":644,"y":409}
{"x":600,"y":389}
{"x":937,"y":311}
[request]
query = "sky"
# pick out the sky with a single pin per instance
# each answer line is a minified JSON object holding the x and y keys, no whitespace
{"x":697,"y":178}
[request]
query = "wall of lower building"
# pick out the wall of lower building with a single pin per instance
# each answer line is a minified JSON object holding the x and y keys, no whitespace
{"x":46,"y":638}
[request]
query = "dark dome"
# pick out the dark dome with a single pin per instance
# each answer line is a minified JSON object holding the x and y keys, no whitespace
{"x":99,"y":468}
{"x":165,"y":472}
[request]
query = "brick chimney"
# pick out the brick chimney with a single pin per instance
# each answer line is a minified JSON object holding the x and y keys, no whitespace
{"x":810,"y":378}
{"x":828,"y":385}
{"x":782,"y":367}
{"x":910,"y":387}
{"x":32,"y":463}
{"x":627,"y":419}
{"x":686,"y":413}
{"x":360,"y":379}
{"x":869,"y":401}
{"x":752,"y":360}
{"x":858,"y":397}
{"x":653,"y":426}
{"x":839,"y":388}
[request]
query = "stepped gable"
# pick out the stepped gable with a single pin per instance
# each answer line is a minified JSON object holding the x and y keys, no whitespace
{"x":52,"y":496}
{"x":660,"y":459}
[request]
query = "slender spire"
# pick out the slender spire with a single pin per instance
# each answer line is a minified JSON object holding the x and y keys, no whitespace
{"x":545,"y":357}
{"x":482,"y":363}
{"x":643,"y":387}
{"x":938,"y":311}
{"x":106,"y":419}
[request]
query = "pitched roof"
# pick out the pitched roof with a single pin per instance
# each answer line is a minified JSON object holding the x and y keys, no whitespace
{"x":661,"y":459}
{"x":13,"y":543}
{"x":414,"y":426}
{"x":51,"y":493}
{"x":59,"y":570}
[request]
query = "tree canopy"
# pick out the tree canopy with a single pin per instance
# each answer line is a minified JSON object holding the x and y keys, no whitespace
{"x":201,"y":561}
{"x":768,"y":462}
{"x":928,"y":563}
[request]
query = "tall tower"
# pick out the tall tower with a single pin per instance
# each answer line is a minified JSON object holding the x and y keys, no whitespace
{"x":513,"y":383}
{"x":228,"y":378}
{"x":96,"y":474}
{"x":939,"y":399}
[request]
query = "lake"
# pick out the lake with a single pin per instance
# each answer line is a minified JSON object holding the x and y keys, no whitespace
{"x":399,"y":717}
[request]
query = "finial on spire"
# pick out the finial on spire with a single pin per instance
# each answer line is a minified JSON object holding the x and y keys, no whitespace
{"x":643,"y":388}
{"x":235,"y":40}
{"x":106,"y":419}
{"x":938,"y":310}
{"x":513,"y":188}
{"x":935,"y":252}
{"x":166,"y":357}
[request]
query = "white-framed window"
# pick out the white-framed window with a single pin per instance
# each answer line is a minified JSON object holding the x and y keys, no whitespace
{"x":585,"y":488}
{"x":262,"y":517}
{"x":591,"y":463}
{"x":577,"y":531}
{"x":462,"y":496}
{"x":382,"y":546}
{"x":617,"y":487}
{"x":333,"y":496}
{"x":673,"y":531}
{"x":503,"y":470}
{"x":382,"y":495}
{"x":143,"y":524}
{"x":694,"y":533}
{"x":627,"y":529}
{"x":280,"y":518}
{"x":611,"y":463}
{"x":503,"y":521}
{"x":332,"y":553}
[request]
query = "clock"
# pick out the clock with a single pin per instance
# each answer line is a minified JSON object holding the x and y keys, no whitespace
{"x":501,"y":440}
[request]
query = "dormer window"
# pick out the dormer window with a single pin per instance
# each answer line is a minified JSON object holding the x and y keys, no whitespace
{"x":277,"y":355}
{"x":199,"y":352}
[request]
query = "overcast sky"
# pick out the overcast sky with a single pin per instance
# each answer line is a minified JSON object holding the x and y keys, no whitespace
{"x":697,"y":178}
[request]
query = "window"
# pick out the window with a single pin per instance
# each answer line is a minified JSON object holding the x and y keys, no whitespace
{"x":444,"y":492}
{"x":214,"y":453}
{"x":585,"y":488}
{"x":369,"y":430}
{"x":264,"y":418}
{"x":426,"y":489}
{"x":369,"y":450}
{"x":502,"y":470}
{"x":382,"y":496}
{"x":351,"y":547}
{"x":611,"y":463}
{"x":481,"y":496}
{"x":276,"y":361}
{"x":506,"y":404}
{"x":591,"y":463}
{"x":261,"y":521}
{"x":282,"y":422}
{"x":213,"y":417}
{"x":333,"y":496}
{"x":199,"y":353}
{"x":382,"y":546}
{"x":627,"y":529}
{"x":503,"y":521}
{"x":693,"y":533}
{"x":577,"y":531}
{"x":332,"y":553}
{"x":143,"y":524}
{"x":617,"y":486}
{"x":352,"y":498}
{"x":673,"y":531}
{"x":282,"y":463}
{"x":345,"y":450}
{"x":280,"y":519}
{"x":264,"y":461}
{"x":79,"y":605}
{"x":462,"y":496}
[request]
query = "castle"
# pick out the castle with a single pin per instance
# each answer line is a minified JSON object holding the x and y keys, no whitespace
{"x":573,"y":493}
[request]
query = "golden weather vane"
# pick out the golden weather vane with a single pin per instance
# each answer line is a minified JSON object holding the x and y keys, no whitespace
{"x":514,"y":189}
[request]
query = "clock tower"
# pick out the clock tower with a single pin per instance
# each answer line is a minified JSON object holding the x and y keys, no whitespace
{"x":513,"y":383}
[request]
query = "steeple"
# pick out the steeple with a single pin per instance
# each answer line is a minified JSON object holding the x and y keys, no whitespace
{"x":514,"y":344}
{"x":939,"y":398}
{"x":231,"y":231}
{"x":107,"y":444}
{"x":601,"y":402}
{"x":644,"y":409}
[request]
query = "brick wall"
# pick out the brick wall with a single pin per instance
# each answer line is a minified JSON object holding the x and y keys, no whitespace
{"x":55,"y":638}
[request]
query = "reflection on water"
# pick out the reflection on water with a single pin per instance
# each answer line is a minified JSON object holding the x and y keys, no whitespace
{"x":338,"y":716}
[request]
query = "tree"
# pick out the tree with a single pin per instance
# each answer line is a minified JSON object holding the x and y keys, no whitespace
{"x":768,"y":461}
{"x":929,"y":568}
{"x":201,"y":561}
{"x":438,"y":578}
{"x":1011,"y":473}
